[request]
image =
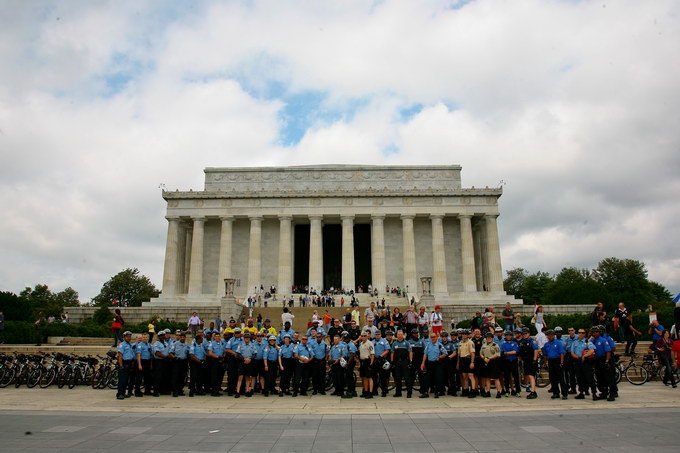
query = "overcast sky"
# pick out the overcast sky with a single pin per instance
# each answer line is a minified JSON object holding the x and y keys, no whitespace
{"x":574,"y":104}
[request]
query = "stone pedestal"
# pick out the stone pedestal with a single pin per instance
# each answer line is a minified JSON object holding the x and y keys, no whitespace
{"x":229,"y":308}
{"x":427,"y":300}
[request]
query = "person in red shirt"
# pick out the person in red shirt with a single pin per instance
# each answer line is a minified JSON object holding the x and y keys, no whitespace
{"x":676,"y":353}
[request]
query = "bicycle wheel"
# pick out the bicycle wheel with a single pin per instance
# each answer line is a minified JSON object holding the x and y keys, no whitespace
{"x":48,"y":378}
{"x":636,"y":374}
{"x":113,"y":378}
{"x":542,"y":375}
{"x":21,"y":376}
{"x":33,"y":377}
{"x":96,"y":379}
{"x":617,"y":374}
{"x":63,"y":377}
{"x":8,"y":377}
{"x":74,"y":378}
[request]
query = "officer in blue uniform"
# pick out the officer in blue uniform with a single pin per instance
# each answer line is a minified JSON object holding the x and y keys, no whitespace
{"x":349,"y":353}
{"x":528,"y":352}
{"x":287,"y":363}
{"x":381,"y":375}
{"x":583,"y":355}
{"x":417,"y":347}
{"x":318,"y":364}
{"x":402,"y":358}
{"x":553,"y":350}
{"x":260,"y":343}
{"x":569,"y":370}
{"x":142,"y":351}
{"x":510,"y":356}
{"x":602,"y":357}
{"x":303,"y":355}
{"x":197,"y":355}
{"x":216,"y":355}
{"x":611,"y":376}
{"x":233,"y":360}
{"x":126,"y":361}
{"x":160,"y":355}
{"x":448,"y":364}
{"x":247,"y":372}
{"x":179,"y":354}
{"x":271,"y":365}
{"x":287,"y":330}
{"x":337,"y":372}
{"x":433,"y":352}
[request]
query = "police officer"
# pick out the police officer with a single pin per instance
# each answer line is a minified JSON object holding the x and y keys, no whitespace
{"x":335,"y":355}
{"x":247,"y":367}
{"x":318,"y":364}
{"x":381,"y":372}
{"x":197,"y":355}
{"x":258,"y":361}
{"x":349,"y":354}
{"x":569,"y":370}
{"x":287,"y":364}
{"x":602,"y":358}
{"x":142,"y":351}
{"x":417,"y":347}
{"x":303,"y":355}
{"x":491,"y":354}
{"x":216,"y":354}
{"x":160,"y":352}
{"x":611,"y":376}
{"x":466,"y":365}
{"x":287,"y":330}
{"x":510,"y":356}
{"x":125,"y":363}
{"x":553,"y":351}
{"x":272,"y":363}
{"x":401,"y":356}
{"x":179,"y":353}
{"x":448,"y":364}
{"x":433,"y":352}
{"x":582,"y":356}
{"x":233,"y":361}
{"x":478,"y":369}
{"x":528,"y":352}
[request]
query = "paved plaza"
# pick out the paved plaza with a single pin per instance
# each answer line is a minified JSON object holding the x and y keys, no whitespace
{"x":644,"y":418}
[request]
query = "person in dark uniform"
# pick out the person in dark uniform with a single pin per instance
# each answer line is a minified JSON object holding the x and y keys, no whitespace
{"x":553,"y":351}
{"x":417,"y":347}
{"x":336,"y":329}
{"x":582,"y":354}
{"x":126,"y":361}
{"x":401,"y":356}
{"x":528,"y":352}
{"x":272,"y":363}
{"x":160,"y":352}
{"x":216,"y":354}
{"x":448,"y":364}
{"x":197,"y":355}
{"x":303,"y":355}
{"x":349,"y":354}
{"x":179,"y":353}
{"x":510,"y":357}
{"x":478,"y":370}
{"x":433,"y":353}
{"x":337,"y":370}
{"x":287,"y":365}
{"x":381,"y":372}
{"x":233,"y":361}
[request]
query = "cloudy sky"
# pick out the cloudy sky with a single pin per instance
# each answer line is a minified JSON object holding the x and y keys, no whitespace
{"x":574,"y":104}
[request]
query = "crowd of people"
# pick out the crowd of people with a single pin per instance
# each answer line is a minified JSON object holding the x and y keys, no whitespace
{"x":388,"y":350}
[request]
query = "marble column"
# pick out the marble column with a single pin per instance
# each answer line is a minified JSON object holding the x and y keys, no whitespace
{"x":440,"y":286}
{"x":315,"y":253}
{"x":467,"y":252}
{"x":493,"y":254}
{"x":196,"y":269}
{"x":224,"y":262}
{"x":171,"y":256}
{"x":285,"y":281}
{"x":378,"y":253}
{"x":182,"y":266}
{"x":255,"y":255}
{"x":348,"y":282}
{"x":479,"y":256}
{"x":188,"y":234}
{"x":409,"y":257}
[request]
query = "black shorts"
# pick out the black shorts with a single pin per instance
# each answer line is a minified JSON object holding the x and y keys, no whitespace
{"x":479,"y":367}
{"x":464,"y":364}
{"x":530,"y":367}
{"x":365,"y":369}
{"x":247,"y":369}
{"x":491,"y":370}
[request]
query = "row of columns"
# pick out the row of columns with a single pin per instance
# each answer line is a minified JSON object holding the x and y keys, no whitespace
{"x":473,"y":267}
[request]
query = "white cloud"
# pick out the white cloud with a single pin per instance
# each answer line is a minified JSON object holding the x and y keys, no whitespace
{"x":571,"y":103}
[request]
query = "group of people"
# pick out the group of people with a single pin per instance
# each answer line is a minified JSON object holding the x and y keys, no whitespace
{"x":465,"y":362}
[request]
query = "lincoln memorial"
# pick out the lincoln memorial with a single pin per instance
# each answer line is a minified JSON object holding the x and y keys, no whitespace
{"x":341,"y":226}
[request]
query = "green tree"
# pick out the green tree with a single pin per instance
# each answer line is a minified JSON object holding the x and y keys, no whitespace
{"x":67,"y":298}
{"x":43,"y":300}
{"x":514,"y":282}
{"x":575,"y":286}
{"x":15,"y":308}
{"x":626,"y":281}
{"x":660,"y":293}
{"x":127,"y":287}
{"x":535,"y":288}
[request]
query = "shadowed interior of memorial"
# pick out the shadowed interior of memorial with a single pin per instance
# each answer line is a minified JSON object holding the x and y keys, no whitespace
{"x":362,"y":255}
{"x":332,"y":256}
{"x":301,"y":256}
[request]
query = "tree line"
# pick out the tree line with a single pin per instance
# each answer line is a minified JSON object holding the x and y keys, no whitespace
{"x":613,"y":280}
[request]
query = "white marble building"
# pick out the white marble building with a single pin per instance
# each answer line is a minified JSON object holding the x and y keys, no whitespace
{"x":341,"y":226}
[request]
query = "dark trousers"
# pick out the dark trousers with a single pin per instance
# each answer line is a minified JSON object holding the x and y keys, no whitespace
{"x":272,"y":372}
{"x":668,"y":370}
{"x":631,"y":342}
{"x":287,"y":373}
{"x":350,"y":383}
{"x":569,"y":373}
{"x":318,"y":370}
{"x":232,"y":374}
{"x":196,"y":376}
{"x":511,"y":369}
{"x":124,"y":376}
{"x":301,"y":379}
{"x":380,"y":376}
{"x":166,"y":384}
{"x":601,"y":376}
{"x":611,"y":375}
{"x":144,"y":374}
{"x":449,"y":375}
{"x":338,"y":375}
{"x":415,"y":370}
{"x":158,"y":375}
{"x":216,"y":375}
{"x":584,"y":376}
{"x":402,"y":372}
{"x":179,"y":374}
{"x":556,"y":377}
{"x":206,"y":376}
{"x":433,"y":378}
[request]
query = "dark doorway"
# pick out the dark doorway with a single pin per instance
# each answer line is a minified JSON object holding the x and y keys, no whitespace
{"x":301,"y":270}
{"x":362,"y":255}
{"x":332,"y":256}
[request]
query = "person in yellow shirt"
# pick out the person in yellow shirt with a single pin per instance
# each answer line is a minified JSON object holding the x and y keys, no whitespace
{"x":250,"y":327}
{"x":230,"y":327}
{"x":151,"y":329}
{"x":267,"y":328}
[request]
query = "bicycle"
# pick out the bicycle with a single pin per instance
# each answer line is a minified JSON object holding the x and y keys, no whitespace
{"x":634,"y":373}
{"x":7,"y":370}
{"x":655,"y":368}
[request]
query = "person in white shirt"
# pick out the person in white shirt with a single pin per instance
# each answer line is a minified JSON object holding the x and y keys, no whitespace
{"x":287,"y":316}
{"x":436,"y":320}
{"x":423,"y":320}
{"x":541,"y":338}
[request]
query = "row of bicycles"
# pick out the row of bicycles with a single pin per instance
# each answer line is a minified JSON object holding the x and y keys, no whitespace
{"x":639,"y":372}
{"x":63,"y":370}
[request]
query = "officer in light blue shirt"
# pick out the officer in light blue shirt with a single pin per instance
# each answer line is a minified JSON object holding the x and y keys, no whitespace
{"x":318,"y":366}
{"x":179,"y":353}
{"x":271,"y":365}
{"x":382,"y":350}
{"x":433,"y":352}
{"x":603,"y":353}
{"x":126,"y":357}
{"x":312,"y":331}
{"x":160,"y":368}
{"x":613,"y":386}
{"x":286,"y":351}
{"x":498,"y":336}
{"x":197,"y":360}
{"x":553,"y":350}
{"x":216,"y":353}
{"x":287,"y":330}
{"x":582,"y":354}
